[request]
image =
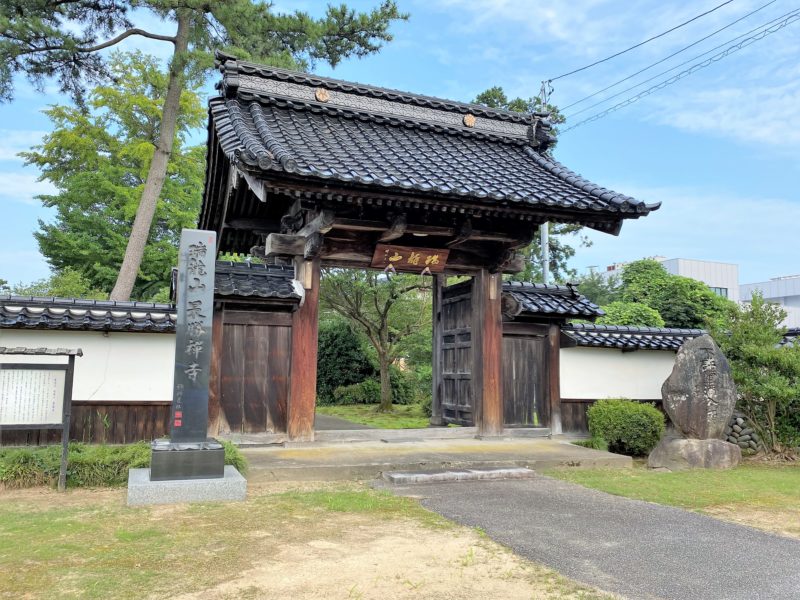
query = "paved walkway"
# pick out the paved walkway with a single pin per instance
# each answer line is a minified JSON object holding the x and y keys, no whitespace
{"x":395,"y":452}
{"x":633,"y":548}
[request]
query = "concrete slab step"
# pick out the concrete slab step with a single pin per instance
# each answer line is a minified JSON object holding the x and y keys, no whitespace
{"x":442,"y":475}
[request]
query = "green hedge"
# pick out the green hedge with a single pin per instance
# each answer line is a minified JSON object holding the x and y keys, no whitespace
{"x":627,"y":427}
{"x":87,"y":465}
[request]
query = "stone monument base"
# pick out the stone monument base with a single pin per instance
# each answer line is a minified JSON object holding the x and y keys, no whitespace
{"x":142,"y":490}
{"x":679,"y":454}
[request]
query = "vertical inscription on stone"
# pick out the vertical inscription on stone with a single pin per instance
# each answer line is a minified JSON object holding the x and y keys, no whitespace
{"x":195,"y":303}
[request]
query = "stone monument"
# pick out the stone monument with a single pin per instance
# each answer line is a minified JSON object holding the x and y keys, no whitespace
{"x":190,"y":466}
{"x":699,"y":397}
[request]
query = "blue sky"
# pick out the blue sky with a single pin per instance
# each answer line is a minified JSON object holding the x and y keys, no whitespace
{"x":720,"y":149}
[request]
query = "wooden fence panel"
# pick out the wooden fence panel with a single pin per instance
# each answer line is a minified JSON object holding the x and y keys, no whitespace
{"x":98,"y":422}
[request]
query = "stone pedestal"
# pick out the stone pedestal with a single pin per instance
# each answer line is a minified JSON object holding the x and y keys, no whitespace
{"x":677,"y":454}
{"x":142,"y":490}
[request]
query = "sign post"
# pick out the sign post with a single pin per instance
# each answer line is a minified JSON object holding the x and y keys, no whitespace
{"x":190,"y":454}
{"x":38,"y":396}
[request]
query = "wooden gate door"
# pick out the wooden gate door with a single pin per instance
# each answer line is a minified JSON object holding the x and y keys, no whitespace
{"x":456,"y":355}
{"x":252,"y":343}
{"x":525,"y":391}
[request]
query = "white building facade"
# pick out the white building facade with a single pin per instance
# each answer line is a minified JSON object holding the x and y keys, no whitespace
{"x":784,"y":291}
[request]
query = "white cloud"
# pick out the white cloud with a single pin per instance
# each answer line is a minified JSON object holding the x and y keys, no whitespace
{"x":12,"y":142}
{"x":705,"y":225}
{"x":23,"y":188}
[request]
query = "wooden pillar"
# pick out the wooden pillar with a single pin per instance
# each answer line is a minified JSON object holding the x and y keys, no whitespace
{"x":554,"y":377}
{"x":436,"y":405}
{"x":487,"y":348}
{"x":215,"y":373}
{"x":303,"y":370}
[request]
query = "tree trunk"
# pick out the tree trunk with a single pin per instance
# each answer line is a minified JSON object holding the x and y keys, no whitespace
{"x":158,"y":167}
{"x":386,"y":384}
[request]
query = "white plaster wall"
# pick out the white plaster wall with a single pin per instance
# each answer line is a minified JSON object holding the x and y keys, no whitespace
{"x":596,"y":373}
{"x":114,"y":366}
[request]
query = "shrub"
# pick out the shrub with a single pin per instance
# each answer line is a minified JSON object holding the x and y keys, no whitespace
{"x":365,"y":392}
{"x":87,"y":465}
{"x":341,"y":360}
{"x":631,"y":428}
{"x":403,"y":386}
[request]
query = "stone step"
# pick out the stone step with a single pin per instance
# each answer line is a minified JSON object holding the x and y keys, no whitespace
{"x":446,"y":475}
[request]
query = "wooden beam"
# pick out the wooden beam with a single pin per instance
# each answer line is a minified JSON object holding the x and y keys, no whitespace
{"x":284,"y":244}
{"x":463,"y":234}
{"x":396,"y":230}
{"x":487,"y":349}
{"x":303,"y":369}
{"x":215,"y":373}
{"x":313,"y":245}
{"x":322,"y":222}
{"x":255,"y":225}
{"x":437,"y":363}
{"x":256,"y":185}
{"x":554,"y":378}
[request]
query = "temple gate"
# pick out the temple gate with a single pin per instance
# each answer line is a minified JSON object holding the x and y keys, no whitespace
{"x":305,"y":172}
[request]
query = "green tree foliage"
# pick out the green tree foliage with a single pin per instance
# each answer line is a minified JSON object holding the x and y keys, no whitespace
{"x":495,"y":97}
{"x":681,"y":301}
{"x":767,"y":376}
{"x":66,"y":283}
{"x":560,"y":250}
{"x":65,"y":39}
{"x":599,"y":289}
{"x":387,"y":310}
{"x":630,"y":313}
{"x":341,"y":360}
{"x":98,"y":158}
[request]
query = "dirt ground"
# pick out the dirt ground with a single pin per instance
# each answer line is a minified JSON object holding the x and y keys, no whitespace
{"x":283,"y":542}
{"x":781,"y":521}
{"x":351,"y":557}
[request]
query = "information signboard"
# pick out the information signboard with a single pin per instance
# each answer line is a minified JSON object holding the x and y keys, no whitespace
{"x":32,"y":396}
{"x":38,"y":396}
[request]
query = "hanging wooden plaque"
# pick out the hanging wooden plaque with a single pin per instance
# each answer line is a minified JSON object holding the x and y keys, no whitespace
{"x":408,"y":259}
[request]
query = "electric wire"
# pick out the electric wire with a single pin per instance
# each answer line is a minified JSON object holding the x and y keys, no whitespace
{"x":655,"y":37}
{"x":701,"y":65}
{"x":678,"y":66}
{"x":666,"y":58}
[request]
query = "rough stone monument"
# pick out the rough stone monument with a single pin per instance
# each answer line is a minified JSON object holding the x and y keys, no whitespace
{"x":699,"y":397}
{"x":190,"y":466}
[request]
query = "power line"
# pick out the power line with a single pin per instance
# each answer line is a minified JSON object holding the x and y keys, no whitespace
{"x":655,"y":37}
{"x":679,"y":65}
{"x":647,"y":68}
{"x":701,"y":65}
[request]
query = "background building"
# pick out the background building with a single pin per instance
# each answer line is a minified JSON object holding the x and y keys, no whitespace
{"x":779,"y":290}
{"x":721,"y":278}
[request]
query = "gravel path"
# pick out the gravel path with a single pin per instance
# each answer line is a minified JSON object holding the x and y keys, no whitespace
{"x":633,"y":548}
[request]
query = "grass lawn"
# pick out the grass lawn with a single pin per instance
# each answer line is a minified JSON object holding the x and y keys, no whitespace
{"x":321,"y":541}
{"x":758,"y":494}
{"x":408,"y":416}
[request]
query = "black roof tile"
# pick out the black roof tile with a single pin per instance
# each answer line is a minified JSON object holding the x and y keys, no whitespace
{"x":231,"y":280}
{"x":28,"y":312}
{"x":273,"y":121}
{"x":791,"y":336}
{"x":538,"y":299}
{"x":255,"y":280}
{"x":629,"y":337}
